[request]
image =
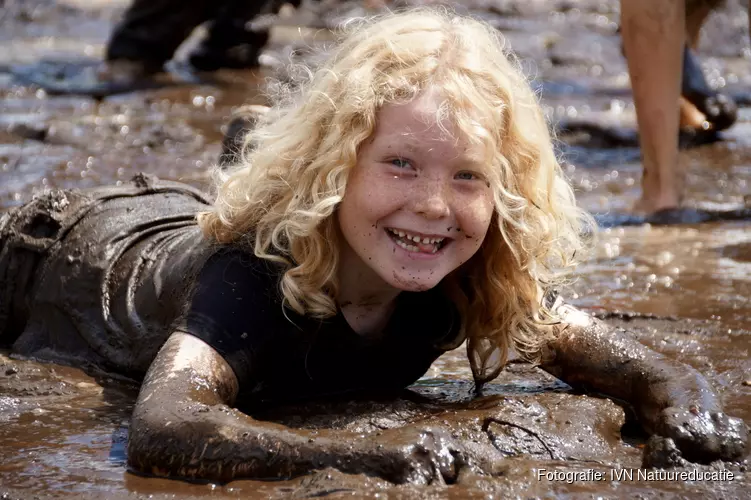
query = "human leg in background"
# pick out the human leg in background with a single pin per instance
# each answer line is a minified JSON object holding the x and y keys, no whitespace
{"x":653,"y":39}
{"x":148,"y":36}
{"x":230,"y":42}
{"x":150,"y":33}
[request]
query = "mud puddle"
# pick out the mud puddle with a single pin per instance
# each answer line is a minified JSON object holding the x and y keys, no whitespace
{"x":685,"y":291}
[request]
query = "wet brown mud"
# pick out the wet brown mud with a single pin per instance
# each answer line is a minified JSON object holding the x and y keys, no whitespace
{"x":683,"y":290}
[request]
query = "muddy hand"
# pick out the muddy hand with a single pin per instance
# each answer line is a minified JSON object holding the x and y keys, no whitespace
{"x":420,"y":456}
{"x":703,"y":436}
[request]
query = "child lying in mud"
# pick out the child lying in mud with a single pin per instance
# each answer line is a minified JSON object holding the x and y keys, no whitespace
{"x":406,"y":199}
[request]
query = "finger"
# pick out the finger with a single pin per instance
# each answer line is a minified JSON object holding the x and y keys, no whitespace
{"x":661,"y":452}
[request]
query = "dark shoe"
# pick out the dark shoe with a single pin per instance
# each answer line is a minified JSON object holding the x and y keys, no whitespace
{"x":690,"y":137}
{"x":125,"y":72}
{"x":210,"y":56}
{"x":92,"y":78}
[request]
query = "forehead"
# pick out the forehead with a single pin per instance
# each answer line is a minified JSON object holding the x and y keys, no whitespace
{"x":425,"y":124}
{"x":426,"y":115}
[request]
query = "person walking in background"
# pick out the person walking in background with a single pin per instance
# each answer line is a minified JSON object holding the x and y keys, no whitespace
{"x":654,"y":35}
{"x":148,"y":36}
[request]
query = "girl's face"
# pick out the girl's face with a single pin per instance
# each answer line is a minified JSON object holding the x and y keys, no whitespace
{"x":417,"y":204}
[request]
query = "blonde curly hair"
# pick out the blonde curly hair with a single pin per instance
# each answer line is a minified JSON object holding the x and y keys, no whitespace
{"x":280,"y":201}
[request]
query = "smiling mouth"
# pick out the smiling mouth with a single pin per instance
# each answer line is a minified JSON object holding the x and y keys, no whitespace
{"x":415,"y":243}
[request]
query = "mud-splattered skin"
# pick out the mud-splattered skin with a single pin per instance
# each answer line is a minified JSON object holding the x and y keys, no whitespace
{"x":183,"y":424}
{"x":671,"y":399}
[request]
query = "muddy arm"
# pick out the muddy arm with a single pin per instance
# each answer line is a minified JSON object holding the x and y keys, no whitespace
{"x":183,"y":424}
{"x":670,"y":398}
{"x":588,"y":353}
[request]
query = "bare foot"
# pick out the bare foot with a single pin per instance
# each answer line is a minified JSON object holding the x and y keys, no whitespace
{"x":691,"y":117}
{"x":662,"y":186}
{"x":695,"y":127}
{"x":719,"y":110}
{"x":652,"y":201}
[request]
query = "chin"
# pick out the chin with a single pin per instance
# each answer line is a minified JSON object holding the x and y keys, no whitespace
{"x":412,"y":284}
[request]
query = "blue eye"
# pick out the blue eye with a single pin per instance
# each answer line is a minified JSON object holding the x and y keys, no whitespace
{"x":401,"y":163}
{"x":466,"y":176}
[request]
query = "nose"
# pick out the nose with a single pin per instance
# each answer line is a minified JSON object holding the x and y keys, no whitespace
{"x":432,"y":199}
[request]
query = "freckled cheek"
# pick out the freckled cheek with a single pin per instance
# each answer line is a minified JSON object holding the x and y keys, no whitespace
{"x":475,"y":217}
{"x":377,"y":203}
{"x":366,"y":217}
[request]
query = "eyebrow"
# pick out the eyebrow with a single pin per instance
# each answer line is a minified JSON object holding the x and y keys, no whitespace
{"x":405,"y":142}
{"x":413,"y":146}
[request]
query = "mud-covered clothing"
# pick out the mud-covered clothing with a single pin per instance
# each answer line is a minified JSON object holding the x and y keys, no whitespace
{"x":102,"y":277}
{"x":237,"y":309}
{"x":152,"y":30}
{"x":97,"y":276}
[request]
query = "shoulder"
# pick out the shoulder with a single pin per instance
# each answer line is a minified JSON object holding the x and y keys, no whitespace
{"x":236,"y":306}
{"x":231,"y":265}
{"x":234,"y":281}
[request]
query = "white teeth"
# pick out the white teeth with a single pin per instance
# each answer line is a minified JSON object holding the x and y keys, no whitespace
{"x":410,"y":248}
{"x":416,"y":239}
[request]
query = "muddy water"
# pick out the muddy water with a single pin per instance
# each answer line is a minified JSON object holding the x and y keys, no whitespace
{"x":685,"y":291}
